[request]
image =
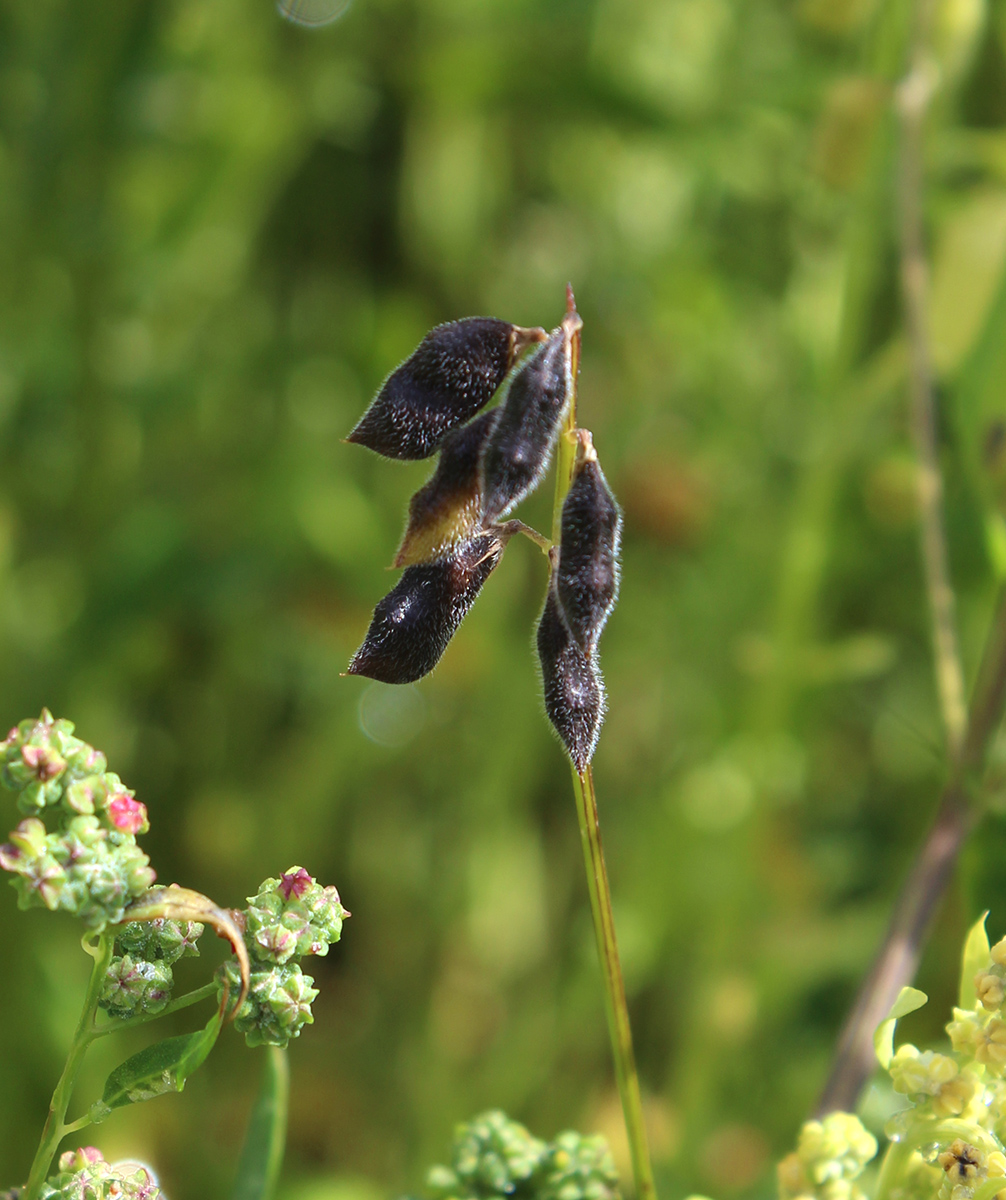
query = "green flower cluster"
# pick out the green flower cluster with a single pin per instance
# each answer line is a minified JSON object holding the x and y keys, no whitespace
{"x":949,"y":1141}
{"x":139,"y":977}
{"x":830,"y":1154}
{"x":969,"y":1083}
{"x":494,"y":1156}
{"x":87,"y":863}
{"x":84,"y":1175}
{"x":290,"y":917}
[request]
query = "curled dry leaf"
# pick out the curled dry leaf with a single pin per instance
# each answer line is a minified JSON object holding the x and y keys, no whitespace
{"x":175,"y":903}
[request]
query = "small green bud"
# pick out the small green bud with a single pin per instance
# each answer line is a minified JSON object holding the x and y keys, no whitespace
{"x":134,"y":986}
{"x":578,"y":1168}
{"x":278,"y":1004}
{"x":965,"y":1031}
{"x":931,"y":1077}
{"x":492,"y":1154}
{"x":830,"y":1153}
{"x":84,"y":869}
{"x":160,"y":940}
{"x":293,"y":916}
{"x":991,"y":1047}
{"x":84,"y":1175}
{"x":989,"y":987}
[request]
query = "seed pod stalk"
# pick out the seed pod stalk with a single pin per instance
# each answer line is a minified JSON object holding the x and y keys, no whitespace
{"x":616,"y":1006}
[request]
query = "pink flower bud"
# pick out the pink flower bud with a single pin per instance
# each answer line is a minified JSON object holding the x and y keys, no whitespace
{"x":11,"y":737}
{"x":44,"y":761}
{"x":74,"y":1160}
{"x":127,"y":814}
{"x":295,"y":883}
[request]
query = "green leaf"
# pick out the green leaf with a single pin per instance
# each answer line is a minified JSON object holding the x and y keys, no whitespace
{"x":909,"y":999}
{"x":262,"y":1155}
{"x":160,"y":1068}
{"x":975,"y":956}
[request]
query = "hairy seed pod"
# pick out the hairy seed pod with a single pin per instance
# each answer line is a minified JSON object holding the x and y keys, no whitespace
{"x":413,"y":624}
{"x":448,"y":508}
{"x":518,"y":451}
{"x":574,"y":689}
{"x":453,"y":373}
{"x":587,"y":575}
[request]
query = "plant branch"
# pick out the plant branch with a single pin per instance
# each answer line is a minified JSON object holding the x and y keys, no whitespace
{"x":55,"y":1128}
{"x":615,"y":1005}
{"x":898,"y":957}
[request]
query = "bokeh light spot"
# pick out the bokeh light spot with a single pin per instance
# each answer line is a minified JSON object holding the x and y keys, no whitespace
{"x":392,"y":715}
{"x":311,"y":13}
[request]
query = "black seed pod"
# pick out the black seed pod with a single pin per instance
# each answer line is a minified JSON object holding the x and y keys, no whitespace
{"x":414,"y":622}
{"x":587,"y":576}
{"x":448,"y":508}
{"x":574,"y":689}
{"x":453,"y":373}
{"x":530,"y":415}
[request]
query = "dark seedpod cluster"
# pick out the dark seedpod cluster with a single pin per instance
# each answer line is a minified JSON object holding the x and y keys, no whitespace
{"x":456,"y":532}
{"x":587,"y":577}
{"x":414,"y":622}
{"x":582,"y":591}
{"x":448,"y":509}
{"x":522,"y":440}
{"x":572,"y":684}
{"x":454,"y":372}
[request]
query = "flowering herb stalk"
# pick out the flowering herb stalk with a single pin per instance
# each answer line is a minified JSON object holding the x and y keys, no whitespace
{"x":947,"y":1141}
{"x":75,"y":851}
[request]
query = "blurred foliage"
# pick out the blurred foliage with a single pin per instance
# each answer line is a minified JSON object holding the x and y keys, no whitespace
{"x":218,"y":232}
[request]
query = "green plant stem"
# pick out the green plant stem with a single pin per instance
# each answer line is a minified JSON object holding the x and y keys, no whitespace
{"x":892,"y":1167}
{"x":55,"y":1128}
{"x":614,"y":987}
{"x":80,"y":1123}
{"x":120,"y":1023}
{"x":265,"y":1142}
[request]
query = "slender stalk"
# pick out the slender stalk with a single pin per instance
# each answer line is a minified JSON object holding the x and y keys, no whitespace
{"x":265,"y":1142}
{"x":967,"y":735}
{"x":80,"y":1123}
{"x":55,"y":1127}
{"x":616,"y":1006}
{"x":912,"y":101}
{"x":614,"y":987}
{"x":898,"y":958}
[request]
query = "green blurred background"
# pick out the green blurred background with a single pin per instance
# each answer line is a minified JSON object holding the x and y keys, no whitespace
{"x":218,"y":232}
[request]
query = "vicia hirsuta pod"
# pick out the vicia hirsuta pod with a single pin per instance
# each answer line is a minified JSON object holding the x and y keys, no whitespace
{"x":448,"y":508}
{"x":531,"y":413}
{"x":452,"y":374}
{"x":572,"y":684}
{"x":587,"y":575}
{"x":413,"y":624}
